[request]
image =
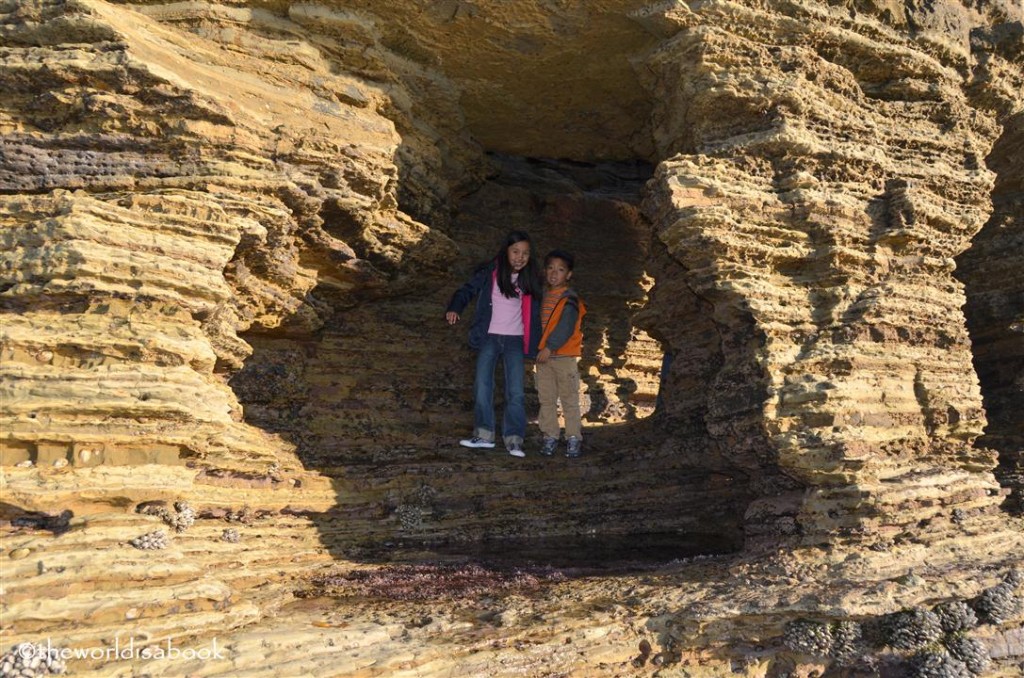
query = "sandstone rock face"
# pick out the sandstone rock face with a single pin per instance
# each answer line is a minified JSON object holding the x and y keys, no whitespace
{"x":166,"y":190}
{"x":540,"y":78}
{"x":817,"y":202}
{"x":195,"y":219}
{"x":229,"y":233}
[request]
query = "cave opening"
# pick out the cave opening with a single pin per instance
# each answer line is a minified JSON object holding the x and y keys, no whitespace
{"x":378,"y":398}
{"x":556,"y":139}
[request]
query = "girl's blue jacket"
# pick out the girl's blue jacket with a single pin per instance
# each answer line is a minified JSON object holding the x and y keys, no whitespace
{"x":482,"y":282}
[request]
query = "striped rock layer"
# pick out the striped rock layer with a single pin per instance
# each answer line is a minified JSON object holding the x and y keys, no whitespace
{"x":817,"y":200}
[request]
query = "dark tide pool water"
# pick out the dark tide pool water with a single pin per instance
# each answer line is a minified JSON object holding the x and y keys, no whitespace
{"x":591,"y":553}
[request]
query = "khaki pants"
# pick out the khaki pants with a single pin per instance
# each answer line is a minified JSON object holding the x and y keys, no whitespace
{"x":559,"y":379}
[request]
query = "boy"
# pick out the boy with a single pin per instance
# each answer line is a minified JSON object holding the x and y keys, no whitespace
{"x":561,"y":340}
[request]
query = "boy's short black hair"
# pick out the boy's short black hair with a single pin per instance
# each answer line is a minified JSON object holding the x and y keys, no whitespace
{"x":560,"y":254}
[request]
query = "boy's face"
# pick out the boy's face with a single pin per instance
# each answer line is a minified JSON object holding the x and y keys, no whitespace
{"x":557,"y":273}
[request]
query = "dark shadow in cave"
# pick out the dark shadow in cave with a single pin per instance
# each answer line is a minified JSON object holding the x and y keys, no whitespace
{"x":591,"y":210}
{"x":991,"y":272}
{"x":378,"y":398}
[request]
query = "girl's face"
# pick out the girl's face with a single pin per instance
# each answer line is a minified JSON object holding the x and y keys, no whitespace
{"x":557,"y":273}
{"x":518,"y":255}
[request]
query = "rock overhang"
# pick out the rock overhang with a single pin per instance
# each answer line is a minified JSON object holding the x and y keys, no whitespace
{"x":536,"y":78}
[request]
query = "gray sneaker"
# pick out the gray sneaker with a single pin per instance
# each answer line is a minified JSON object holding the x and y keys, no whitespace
{"x":477,"y":441}
{"x":573,"y":447}
{"x":549,"y":446}
{"x":516,"y":450}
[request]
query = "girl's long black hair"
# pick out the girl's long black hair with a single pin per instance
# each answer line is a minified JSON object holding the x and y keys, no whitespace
{"x":529,"y":278}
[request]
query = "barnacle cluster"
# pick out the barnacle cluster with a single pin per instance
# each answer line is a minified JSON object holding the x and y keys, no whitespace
{"x":846,"y":642}
{"x":156,"y":507}
{"x":956,"y":616}
{"x":418,"y":504}
{"x":998,"y":604}
{"x":808,"y":637}
{"x":31,"y":659}
{"x":184,"y":517}
{"x":971,"y":652}
{"x":157,"y":539}
{"x":181,"y":519}
{"x":913,"y":629}
{"x":936,"y":664}
{"x":243,"y":515}
{"x":410,"y":516}
{"x":937,"y":638}
{"x":230,"y":534}
{"x":425,"y":494}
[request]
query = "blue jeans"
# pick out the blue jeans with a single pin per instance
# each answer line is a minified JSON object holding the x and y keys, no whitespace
{"x":510,"y":349}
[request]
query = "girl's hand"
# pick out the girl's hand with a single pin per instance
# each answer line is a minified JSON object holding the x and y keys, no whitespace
{"x":543,"y":355}
{"x":452,"y":317}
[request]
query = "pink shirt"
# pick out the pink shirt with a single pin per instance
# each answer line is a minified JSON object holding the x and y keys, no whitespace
{"x":506,"y":314}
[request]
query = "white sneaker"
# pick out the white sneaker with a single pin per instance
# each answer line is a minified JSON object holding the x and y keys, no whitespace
{"x":516,"y":450}
{"x":477,"y":441}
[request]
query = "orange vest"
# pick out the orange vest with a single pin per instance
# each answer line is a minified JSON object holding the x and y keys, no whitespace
{"x":574,"y":344}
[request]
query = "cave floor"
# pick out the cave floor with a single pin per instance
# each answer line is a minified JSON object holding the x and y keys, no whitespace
{"x":696,"y":616}
{"x":536,"y":622}
{"x":287,"y":601}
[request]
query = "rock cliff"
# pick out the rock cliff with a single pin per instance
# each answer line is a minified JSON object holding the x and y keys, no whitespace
{"x":229,"y":403}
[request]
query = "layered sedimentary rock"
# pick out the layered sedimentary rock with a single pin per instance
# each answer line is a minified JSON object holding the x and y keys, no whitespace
{"x":188,"y":188}
{"x":165,"y":191}
{"x":816,"y":200}
{"x":536,"y":78}
{"x":229,"y":235}
{"x":197,"y":215}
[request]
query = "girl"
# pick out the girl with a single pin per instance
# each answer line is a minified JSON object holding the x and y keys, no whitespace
{"x":506,"y":325}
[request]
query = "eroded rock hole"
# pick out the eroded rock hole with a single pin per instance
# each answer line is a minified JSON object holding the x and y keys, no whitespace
{"x":378,"y":398}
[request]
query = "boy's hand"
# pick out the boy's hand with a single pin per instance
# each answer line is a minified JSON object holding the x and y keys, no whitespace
{"x":543,"y":355}
{"x":452,"y":317}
